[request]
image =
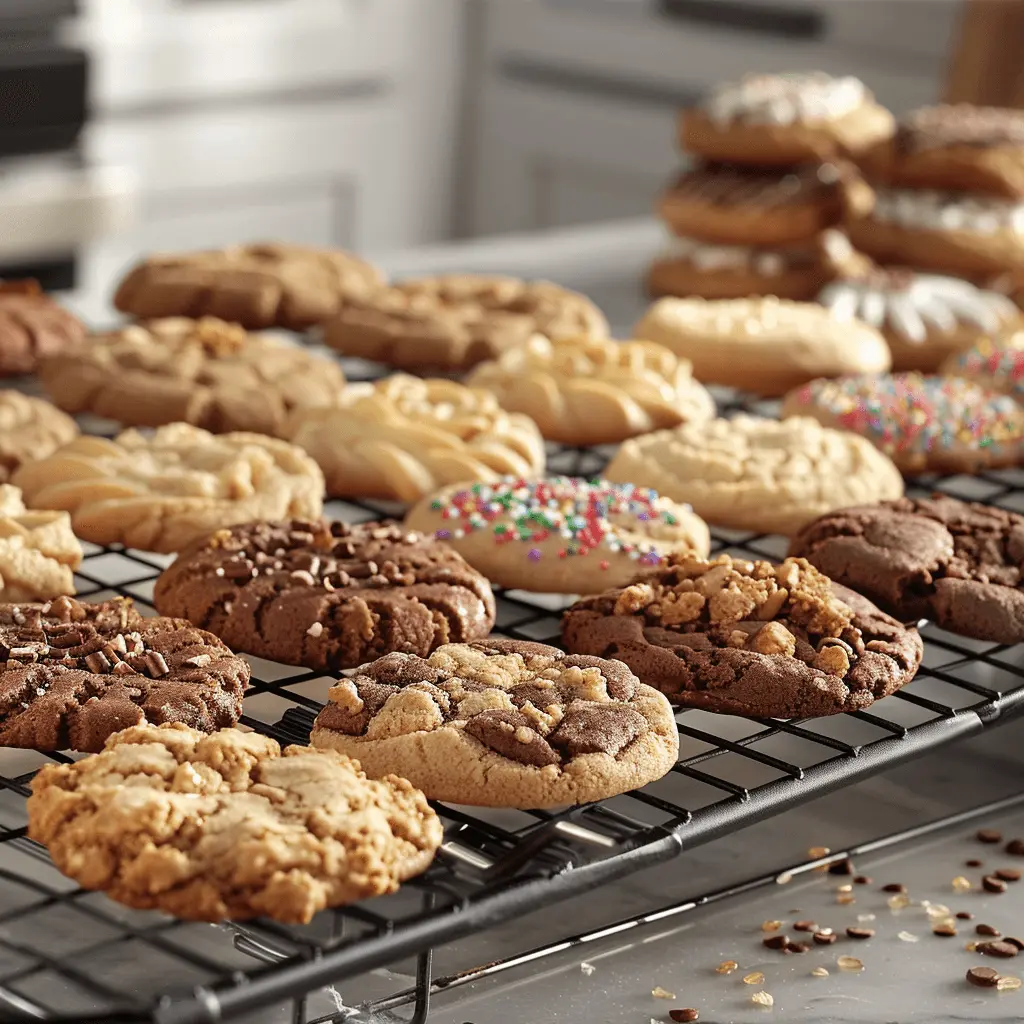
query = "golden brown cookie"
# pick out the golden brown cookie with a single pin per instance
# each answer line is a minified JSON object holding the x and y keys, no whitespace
{"x":954,"y":146}
{"x":454,"y":321}
{"x":205,"y":372}
{"x":38,"y":552}
{"x":749,"y":473}
{"x":229,"y":827}
{"x":924,"y":317}
{"x":587,"y":391}
{"x":32,"y":327}
{"x":161,"y":491}
{"x":503,"y":723}
{"x":267,"y":284}
{"x":784,"y":120}
{"x":403,"y":437}
{"x":30,"y":429}
{"x":559,"y":534}
{"x":763,"y":345}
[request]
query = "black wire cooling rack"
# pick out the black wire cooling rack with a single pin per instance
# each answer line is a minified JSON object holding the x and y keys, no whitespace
{"x":70,"y":955}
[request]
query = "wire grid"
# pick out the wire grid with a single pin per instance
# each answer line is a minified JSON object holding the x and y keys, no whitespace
{"x":66,"y":954}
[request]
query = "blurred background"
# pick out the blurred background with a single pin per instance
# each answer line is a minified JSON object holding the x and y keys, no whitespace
{"x":138,"y":125}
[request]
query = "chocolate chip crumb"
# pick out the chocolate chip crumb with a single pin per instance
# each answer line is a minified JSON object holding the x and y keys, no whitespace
{"x":992,"y":884}
{"x":987,"y":929}
{"x":988,"y":835}
{"x":685,"y":1015}
{"x":863,"y":880}
{"x":825,"y":938}
{"x":778,"y":941}
{"x":983,"y":977}
{"x":1008,"y":874}
{"x":964,"y":915}
{"x":999,"y":948}
{"x":1013,"y":941}
{"x":841,"y":867}
{"x":797,"y":947}
{"x":973,"y":863}
{"x":804,"y":926}
{"x":894,"y":887}
{"x":860,"y":933}
{"x":1015,"y":847}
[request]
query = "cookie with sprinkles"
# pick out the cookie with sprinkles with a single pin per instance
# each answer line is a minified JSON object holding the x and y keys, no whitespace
{"x":999,"y":366}
{"x":923,"y":423}
{"x":560,"y":535}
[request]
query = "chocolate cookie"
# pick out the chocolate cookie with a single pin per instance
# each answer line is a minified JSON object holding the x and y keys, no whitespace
{"x":73,"y":673}
{"x":748,"y":638}
{"x":956,"y":562}
{"x":32,"y":327}
{"x":327,"y":595}
{"x":503,"y":723}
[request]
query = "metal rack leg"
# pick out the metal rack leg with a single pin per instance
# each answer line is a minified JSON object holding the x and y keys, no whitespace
{"x":424,"y":975}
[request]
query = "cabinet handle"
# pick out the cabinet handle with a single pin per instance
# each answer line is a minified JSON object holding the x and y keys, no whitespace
{"x":789,"y":22}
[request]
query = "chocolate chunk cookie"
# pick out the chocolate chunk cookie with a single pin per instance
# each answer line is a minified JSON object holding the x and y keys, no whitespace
{"x":503,"y":723}
{"x":73,"y":673}
{"x":327,"y":595}
{"x":748,"y":638}
{"x":956,"y":562}
{"x":219,"y":827}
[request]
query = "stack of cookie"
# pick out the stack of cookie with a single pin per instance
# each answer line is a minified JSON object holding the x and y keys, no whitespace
{"x":761,"y":211}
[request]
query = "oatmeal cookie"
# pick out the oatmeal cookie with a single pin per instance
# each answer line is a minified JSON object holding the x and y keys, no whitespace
{"x":38,"y":551}
{"x":30,"y":429}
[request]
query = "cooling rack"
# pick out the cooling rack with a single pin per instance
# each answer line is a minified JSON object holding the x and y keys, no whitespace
{"x":69,"y":955}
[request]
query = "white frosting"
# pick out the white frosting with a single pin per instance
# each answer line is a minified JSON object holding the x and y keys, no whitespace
{"x":770,"y":262}
{"x":949,"y":211}
{"x":911,"y":304}
{"x":786,"y":99}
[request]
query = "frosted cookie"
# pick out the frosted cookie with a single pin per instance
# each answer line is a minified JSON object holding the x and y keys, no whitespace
{"x":758,"y":474}
{"x":923,"y":423}
{"x":205,"y":372}
{"x":159,"y":492}
{"x":688,"y":267}
{"x":38,"y":552}
{"x":264,"y":284}
{"x":588,"y":391}
{"x":924,"y":317}
{"x":32,"y":327}
{"x":326,"y":595}
{"x":764,"y":345}
{"x":559,"y":534}
{"x":229,"y":827}
{"x":503,"y":723}
{"x":748,"y":638}
{"x":956,"y":562}
{"x":960,"y":233}
{"x":954,"y":146}
{"x":454,"y":321}
{"x":30,"y":429}
{"x":785,"y":119}
{"x":997,"y":366}
{"x":402,"y":437}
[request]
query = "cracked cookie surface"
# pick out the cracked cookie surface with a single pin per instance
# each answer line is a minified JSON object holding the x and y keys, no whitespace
{"x":72,"y":673}
{"x":32,"y":327}
{"x":227,"y":826}
{"x":327,"y":595}
{"x":748,"y":638}
{"x":30,"y":429}
{"x":503,"y":723}
{"x":956,"y":562}
{"x":38,"y":551}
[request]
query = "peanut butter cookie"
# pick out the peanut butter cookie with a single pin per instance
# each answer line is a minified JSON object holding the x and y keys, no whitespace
{"x":205,"y":372}
{"x":38,"y":551}
{"x":503,"y":723}
{"x":73,"y":673}
{"x":327,"y":595}
{"x":30,"y":429}
{"x":748,"y":638}
{"x":32,"y":327}
{"x":229,"y":827}
{"x":162,"y":491}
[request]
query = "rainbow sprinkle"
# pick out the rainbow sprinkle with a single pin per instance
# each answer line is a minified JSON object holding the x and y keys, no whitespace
{"x":1004,"y":365}
{"x":584,"y":515}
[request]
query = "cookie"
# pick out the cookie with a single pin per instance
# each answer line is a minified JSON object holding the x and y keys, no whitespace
{"x":158,"y":492}
{"x":923,"y":317}
{"x":735,"y":205}
{"x":326,"y":595}
{"x":763,"y":345}
{"x":954,"y":146}
{"x":32,"y":327}
{"x":589,"y":391}
{"x":966,"y":234}
{"x":205,"y":372}
{"x":757,"y":474}
{"x":956,"y":562}
{"x":503,"y":723}
{"x":689,"y":267}
{"x":38,"y":552}
{"x":559,"y":534}
{"x":75,"y":673}
{"x":402,"y":437}
{"x":785,"y":120}
{"x":748,"y":638}
{"x":266,"y":284}
{"x":229,"y":827}
{"x":995,"y":366}
{"x":923,"y":423}
{"x":30,"y":429}
{"x":454,"y":321}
